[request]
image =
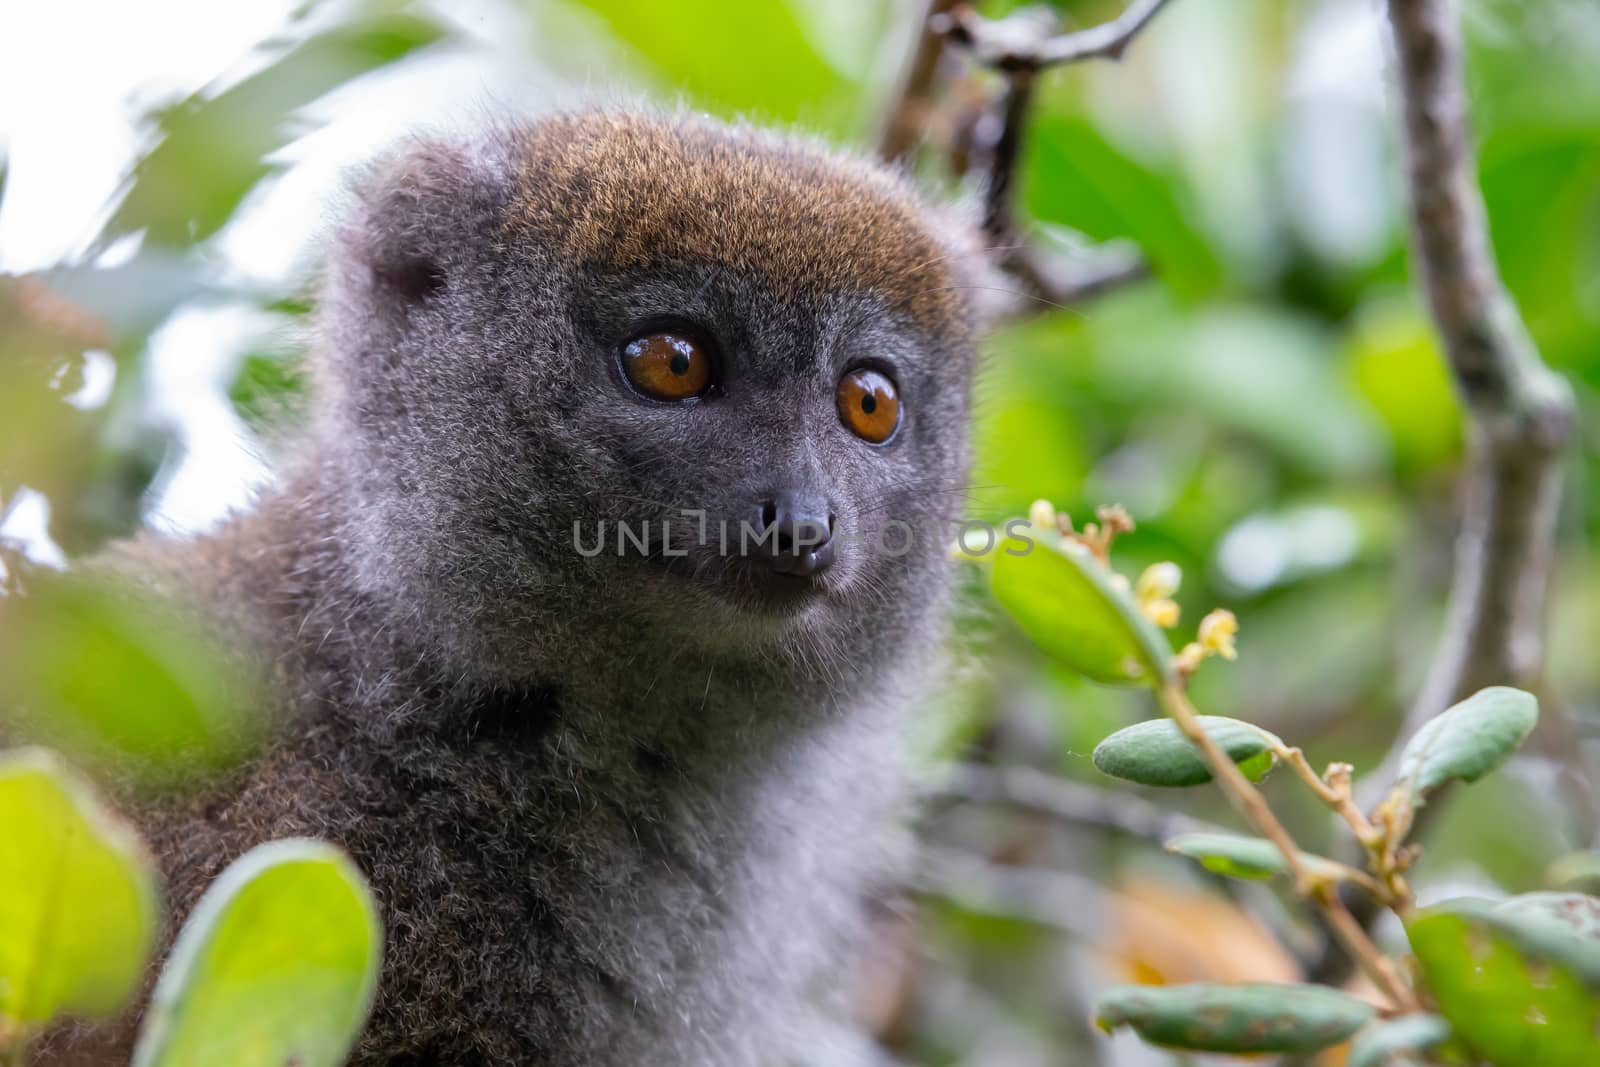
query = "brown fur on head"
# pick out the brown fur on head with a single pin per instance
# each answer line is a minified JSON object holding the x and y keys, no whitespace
{"x":625,"y":191}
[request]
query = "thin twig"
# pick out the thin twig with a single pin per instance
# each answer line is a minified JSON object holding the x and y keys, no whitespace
{"x":1320,"y":891}
{"x":1068,"y":280}
{"x":1019,"y":46}
{"x":1002,"y":153}
{"x":1332,"y":789}
{"x":1010,"y":44}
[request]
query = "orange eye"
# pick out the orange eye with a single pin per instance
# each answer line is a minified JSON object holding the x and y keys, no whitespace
{"x":869,"y":405}
{"x":667,"y":366}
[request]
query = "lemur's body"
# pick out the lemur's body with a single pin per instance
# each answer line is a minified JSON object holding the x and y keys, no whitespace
{"x":616,"y":810}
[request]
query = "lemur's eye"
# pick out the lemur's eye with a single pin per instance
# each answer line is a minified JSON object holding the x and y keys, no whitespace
{"x":869,"y":406}
{"x":667,"y":366}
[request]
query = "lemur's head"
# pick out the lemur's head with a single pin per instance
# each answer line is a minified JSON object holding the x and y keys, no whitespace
{"x":707,"y":378}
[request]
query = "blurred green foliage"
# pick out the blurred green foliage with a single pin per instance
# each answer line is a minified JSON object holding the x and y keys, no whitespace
{"x":78,"y":900}
{"x":1272,"y":407}
{"x":124,"y":685}
{"x":277,"y":964}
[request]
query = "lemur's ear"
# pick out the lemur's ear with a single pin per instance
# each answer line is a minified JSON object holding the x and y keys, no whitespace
{"x":424,"y":212}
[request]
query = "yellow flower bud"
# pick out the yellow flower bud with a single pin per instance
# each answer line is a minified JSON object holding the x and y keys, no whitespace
{"x":1042,"y":514}
{"x":1217,"y":631}
{"x":1164,"y":613}
{"x":1159,"y":582}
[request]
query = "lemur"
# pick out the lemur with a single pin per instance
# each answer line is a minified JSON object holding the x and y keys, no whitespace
{"x":618,"y":805}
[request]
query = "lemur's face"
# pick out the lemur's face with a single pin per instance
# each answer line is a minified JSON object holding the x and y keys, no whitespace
{"x":786,"y":457}
{"x":699,"y":374}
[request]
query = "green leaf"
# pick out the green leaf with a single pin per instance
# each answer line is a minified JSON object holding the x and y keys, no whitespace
{"x":1241,"y":856}
{"x":1157,"y":753}
{"x":1387,"y":1043}
{"x":267,"y":386}
{"x":1064,"y":599}
{"x":757,"y":60}
{"x":1517,"y":982}
{"x":212,"y":148}
{"x":1576,"y":871}
{"x":1467,"y":740}
{"x":111,"y":676}
{"x":1073,"y":174}
{"x":277,"y":965}
{"x":1393,"y":360}
{"x":1234,"y":1018}
{"x":1563,"y":926}
{"x":78,"y":897}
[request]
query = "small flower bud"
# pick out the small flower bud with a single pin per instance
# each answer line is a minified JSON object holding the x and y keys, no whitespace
{"x":1164,"y":613}
{"x":1115,"y":519}
{"x":1042,"y":514}
{"x":1217,"y":631}
{"x":1159,"y":582}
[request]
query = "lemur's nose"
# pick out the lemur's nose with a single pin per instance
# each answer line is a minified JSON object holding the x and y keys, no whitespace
{"x":798,"y":531}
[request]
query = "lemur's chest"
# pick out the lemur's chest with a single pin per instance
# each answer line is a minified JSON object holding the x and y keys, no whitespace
{"x":612,"y":895}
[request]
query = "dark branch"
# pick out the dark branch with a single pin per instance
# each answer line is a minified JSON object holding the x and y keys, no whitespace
{"x":1019,"y":46}
{"x":1014,"y":44}
{"x":1069,"y":802}
{"x":1000,"y":148}
{"x":913,"y":104}
{"x":1068,"y":280}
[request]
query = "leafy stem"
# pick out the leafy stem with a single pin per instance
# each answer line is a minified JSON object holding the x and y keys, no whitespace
{"x":1319,"y":890}
{"x":1381,"y":840}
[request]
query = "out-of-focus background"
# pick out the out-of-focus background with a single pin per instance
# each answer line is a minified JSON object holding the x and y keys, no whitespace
{"x":1271,"y":406}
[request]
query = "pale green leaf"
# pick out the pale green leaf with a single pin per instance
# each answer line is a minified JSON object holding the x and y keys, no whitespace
{"x":1066,"y":601}
{"x":109,"y":676}
{"x":1519,"y":985}
{"x":1467,"y":740}
{"x":1234,"y":1018}
{"x":1241,"y":856}
{"x":1157,"y":753}
{"x":78,"y":896}
{"x":1389,"y":1043}
{"x":277,"y":965}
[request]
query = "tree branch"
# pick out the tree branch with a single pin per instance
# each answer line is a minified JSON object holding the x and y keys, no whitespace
{"x":1520,"y":412}
{"x":1066,"y":902}
{"x":908,"y":115}
{"x":1012,"y":44}
{"x":1066,"y":801}
{"x":1068,"y":280}
{"x":1000,"y":150}
{"x":1018,"y":47}
{"x":1319,"y":891}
